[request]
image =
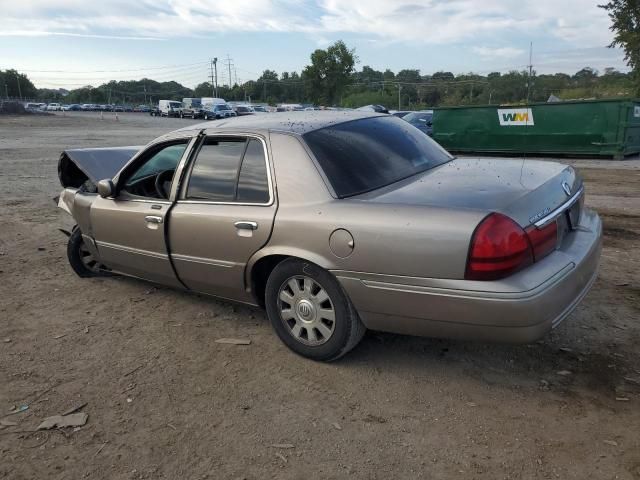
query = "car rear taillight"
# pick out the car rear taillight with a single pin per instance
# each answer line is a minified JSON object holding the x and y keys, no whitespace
{"x":543,"y":240}
{"x":501,"y":247}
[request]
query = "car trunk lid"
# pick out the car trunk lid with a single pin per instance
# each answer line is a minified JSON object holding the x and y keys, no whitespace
{"x":525,"y":190}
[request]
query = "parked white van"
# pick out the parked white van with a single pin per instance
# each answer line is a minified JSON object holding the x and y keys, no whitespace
{"x":169,"y":108}
{"x":54,"y":106}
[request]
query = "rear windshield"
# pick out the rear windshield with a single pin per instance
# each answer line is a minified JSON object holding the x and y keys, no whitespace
{"x":364,"y":155}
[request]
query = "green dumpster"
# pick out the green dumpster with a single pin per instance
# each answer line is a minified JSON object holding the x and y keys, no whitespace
{"x":589,"y":127}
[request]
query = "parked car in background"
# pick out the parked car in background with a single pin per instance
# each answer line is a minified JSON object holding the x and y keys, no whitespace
{"x":259,"y":109}
{"x":74,"y":107}
{"x":243,"y":110}
{"x":392,"y":233}
{"x":290,"y":107}
{"x":118,"y":108}
{"x":87,"y":107}
{"x":422,"y":120}
{"x":399,"y":113}
{"x":192,"y":107}
{"x":154,"y":111}
{"x":373,"y":108}
{"x":142,"y":108}
{"x":218,"y":111}
{"x":31,"y":106}
{"x":209,"y":102}
{"x":169,"y":108}
{"x":54,"y":107}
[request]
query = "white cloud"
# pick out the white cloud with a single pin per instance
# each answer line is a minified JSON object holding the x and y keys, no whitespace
{"x":431,"y":22}
{"x":500,"y":52}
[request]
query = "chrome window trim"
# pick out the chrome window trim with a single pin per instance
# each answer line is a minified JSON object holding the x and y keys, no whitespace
{"x":555,"y":213}
{"x":177,"y":182}
{"x":185,"y":185}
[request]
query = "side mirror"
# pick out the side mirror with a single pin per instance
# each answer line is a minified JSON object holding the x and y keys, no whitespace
{"x":106,"y":188}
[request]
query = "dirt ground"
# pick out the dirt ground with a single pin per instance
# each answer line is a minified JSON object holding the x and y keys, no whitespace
{"x":166,"y":402}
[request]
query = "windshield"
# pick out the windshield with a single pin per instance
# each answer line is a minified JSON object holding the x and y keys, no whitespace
{"x":223,"y":107}
{"x":363,"y":155}
{"x":175,"y":105}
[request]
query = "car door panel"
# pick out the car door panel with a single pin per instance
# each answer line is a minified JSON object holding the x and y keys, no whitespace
{"x":210,"y":252}
{"x":129,"y":242}
{"x":130,"y":230}
{"x":224,"y":215}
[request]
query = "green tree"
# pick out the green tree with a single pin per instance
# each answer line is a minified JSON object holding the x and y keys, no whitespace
{"x":329,"y":73}
{"x":625,"y":18}
{"x":16,"y":85}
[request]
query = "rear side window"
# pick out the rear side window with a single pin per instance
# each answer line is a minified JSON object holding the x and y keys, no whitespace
{"x":363,"y":155}
{"x":253,"y":186}
{"x":230,"y":170}
{"x":215,"y":172}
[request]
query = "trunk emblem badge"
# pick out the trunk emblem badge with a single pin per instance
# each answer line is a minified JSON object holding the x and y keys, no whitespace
{"x":566,"y":188}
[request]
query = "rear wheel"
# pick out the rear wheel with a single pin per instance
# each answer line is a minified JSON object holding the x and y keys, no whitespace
{"x":81,"y":259}
{"x":310,"y":311}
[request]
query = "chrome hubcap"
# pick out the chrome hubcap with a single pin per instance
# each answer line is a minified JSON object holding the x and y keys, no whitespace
{"x":306,"y":310}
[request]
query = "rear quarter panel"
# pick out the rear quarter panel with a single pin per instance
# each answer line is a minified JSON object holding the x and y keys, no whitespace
{"x":390,"y":239}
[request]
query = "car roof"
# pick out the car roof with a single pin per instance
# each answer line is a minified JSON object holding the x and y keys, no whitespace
{"x":293,"y":122}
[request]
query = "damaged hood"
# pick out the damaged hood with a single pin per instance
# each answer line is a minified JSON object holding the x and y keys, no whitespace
{"x":76,"y":166}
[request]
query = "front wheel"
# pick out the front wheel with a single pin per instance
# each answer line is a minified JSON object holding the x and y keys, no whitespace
{"x":310,"y":311}
{"x":81,"y":259}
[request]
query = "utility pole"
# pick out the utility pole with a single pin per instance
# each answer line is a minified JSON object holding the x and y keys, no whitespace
{"x":529,"y":80}
{"x":6,"y":90}
{"x":214,"y":79}
{"x":145,"y":93}
{"x":399,"y":90}
{"x":229,"y":64}
{"x":19,"y":91}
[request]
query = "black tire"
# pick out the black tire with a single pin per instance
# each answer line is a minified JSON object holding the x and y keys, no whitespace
{"x":347,"y":331}
{"x":80,"y":261}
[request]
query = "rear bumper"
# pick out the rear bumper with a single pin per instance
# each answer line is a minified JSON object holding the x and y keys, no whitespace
{"x":521,"y":308}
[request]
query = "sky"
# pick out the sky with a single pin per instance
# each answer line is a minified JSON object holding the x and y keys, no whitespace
{"x":71,"y":43}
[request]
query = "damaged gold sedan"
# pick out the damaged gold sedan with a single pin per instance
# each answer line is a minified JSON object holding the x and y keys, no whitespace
{"x":336,"y":222}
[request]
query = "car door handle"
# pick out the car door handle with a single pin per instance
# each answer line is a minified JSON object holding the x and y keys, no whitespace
{"x":153,"y":219}
{"x":246,"y":225}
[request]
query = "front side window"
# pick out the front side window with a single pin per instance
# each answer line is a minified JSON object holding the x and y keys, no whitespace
{"x":363,"y":155}
{"x":152,"y":179}
{"x":229,"y":170}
